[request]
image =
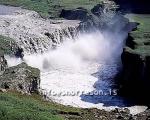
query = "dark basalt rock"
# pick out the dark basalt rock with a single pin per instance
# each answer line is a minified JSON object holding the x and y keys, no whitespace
{"x":9,"y":47}
{"x":135,"y":77}
{"x":3,"y":64}
{"x":98,"y":9}
{"x":76,"y":14}
{"x":89,"y":19}
{"x":19,"y":52}
{"x":22,"y":78}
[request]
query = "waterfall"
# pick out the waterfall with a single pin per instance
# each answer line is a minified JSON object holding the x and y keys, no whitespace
{"x":69,"y":62}
{"x":35,"y":34}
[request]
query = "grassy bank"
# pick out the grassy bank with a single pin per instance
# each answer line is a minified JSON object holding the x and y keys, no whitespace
{"x":51,"y":8}
{"x":14,"y":106}
{"x":142,"y":34}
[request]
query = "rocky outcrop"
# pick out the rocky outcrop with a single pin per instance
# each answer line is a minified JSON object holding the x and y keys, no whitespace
{"x":135,"y":76}
{"x":34,"y":34}
{"x":3,"y":64}
{"x":102,"y":16}
{"x":9,"y":47}
{"x":97,"y":17}
{"x":21,"y":78}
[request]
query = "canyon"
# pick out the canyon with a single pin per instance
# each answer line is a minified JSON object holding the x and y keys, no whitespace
{"x":59,"y":49}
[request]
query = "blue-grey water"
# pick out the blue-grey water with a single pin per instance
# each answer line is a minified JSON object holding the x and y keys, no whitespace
{"x":107,"y":88}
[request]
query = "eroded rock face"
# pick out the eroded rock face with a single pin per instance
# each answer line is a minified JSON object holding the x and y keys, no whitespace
{"x":97,"y":17}
{"x":21,"y":78}
{"x":76,"y":14}
{"x":135,"y":77}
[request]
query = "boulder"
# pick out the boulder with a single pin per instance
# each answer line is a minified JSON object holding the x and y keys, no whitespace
{"x":98,"y":9}
{"x":21,"y":78}
{"x":75,"y":14}
{"x":8,"y":46}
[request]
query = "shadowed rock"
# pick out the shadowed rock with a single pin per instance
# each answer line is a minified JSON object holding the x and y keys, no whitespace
{"x":3,"y":64}
{"x":76,"y":14}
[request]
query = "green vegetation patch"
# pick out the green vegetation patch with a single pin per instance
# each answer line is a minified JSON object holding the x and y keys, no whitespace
{"x":51,"y":8}
{"x":7,"y":45}
{"x":14,"y":106}
{"x":142,"y":35}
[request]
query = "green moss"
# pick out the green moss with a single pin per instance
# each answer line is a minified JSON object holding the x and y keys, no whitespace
{"x":7,"y":45}
{"x":142,"y":34}
{"x":14,"y":106}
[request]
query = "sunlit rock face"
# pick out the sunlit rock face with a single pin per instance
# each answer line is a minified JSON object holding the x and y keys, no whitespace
{"x":22,"y":78}
{"x":35,"y":34}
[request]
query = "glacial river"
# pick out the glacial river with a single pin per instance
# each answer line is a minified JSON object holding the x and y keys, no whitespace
{"x":74,"y":73}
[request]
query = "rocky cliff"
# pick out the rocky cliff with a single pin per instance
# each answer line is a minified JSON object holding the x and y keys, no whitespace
{"x":97,"y":17}
{"x":135,"y":77}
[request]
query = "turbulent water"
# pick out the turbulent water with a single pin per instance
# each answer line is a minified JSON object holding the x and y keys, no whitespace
{"x":69,"y":72}
{"x":80,"y":72}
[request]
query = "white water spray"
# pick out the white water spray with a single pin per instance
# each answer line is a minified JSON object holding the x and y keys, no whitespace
{"x":69,"y":67}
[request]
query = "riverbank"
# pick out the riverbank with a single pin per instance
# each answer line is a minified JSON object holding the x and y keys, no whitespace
{"x":135,"y":59}
{"x":14,"y":105}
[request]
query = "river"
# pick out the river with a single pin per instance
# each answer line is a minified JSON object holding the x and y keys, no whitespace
{"x":76,"y":71}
